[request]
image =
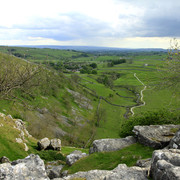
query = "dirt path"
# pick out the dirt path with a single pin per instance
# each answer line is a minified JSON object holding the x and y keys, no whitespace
{"x":144,"y":103}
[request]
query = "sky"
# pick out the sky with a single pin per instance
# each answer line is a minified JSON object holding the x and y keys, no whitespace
{"x":108,"y":23}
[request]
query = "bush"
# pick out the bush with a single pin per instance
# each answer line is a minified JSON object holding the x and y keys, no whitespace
{"x":50,"y":155}
{"x":149,"y":118}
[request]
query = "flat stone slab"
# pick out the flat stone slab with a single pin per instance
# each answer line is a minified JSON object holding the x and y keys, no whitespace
{"x":156,"y":136}
{"x":122,"y":172}
{"x":107,"y":145}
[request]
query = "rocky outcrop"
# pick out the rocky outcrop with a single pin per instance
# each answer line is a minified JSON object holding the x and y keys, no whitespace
{"x":74,"y":156}
{"x":32,"y":167}
{"x":121,"y":172}
{"x":81,"y":100}
{"x":165,"y":164}
{"x":175,"y":141}
{"x":156,"y":136}
{"x":19,"y":125}
{"x":106,"y":145}
{"x":45,"y":143}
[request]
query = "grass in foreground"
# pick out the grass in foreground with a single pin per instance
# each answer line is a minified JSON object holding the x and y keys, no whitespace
{"x":110,"y":160}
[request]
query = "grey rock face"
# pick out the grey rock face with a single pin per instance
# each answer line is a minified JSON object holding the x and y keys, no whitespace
{"x":81,"y":100}
{"x":105,"y":145}
{"x":74,"y":156}
{"x":43,"y":143}
{"x":175,"y":141}
{"x":55,"y":144}
{"x":122,"y":172}
{"x":156,"y":136}
{"x":165,"y":164}
{"x":30,"y":168}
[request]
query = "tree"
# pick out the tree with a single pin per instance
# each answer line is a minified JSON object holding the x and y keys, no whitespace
{"x":18,"y":77}
{"x":171,"y":69}
{"x":93,"y":65}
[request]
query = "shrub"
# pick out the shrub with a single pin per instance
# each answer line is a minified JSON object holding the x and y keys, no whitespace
{"x":50,"y":155}
{"x":149,"y":118}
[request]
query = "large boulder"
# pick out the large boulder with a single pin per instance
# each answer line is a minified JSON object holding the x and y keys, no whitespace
{"x":121,"y":172}
{"x":105,"y":145}
{"x":175,"y":141}
{"x":55,"y":144}
{"x":43,"y":143}
{"x":32,"y":167}
{"x":165,"y":164}
{"x":74,"y":156}
{"x":156,"y":136}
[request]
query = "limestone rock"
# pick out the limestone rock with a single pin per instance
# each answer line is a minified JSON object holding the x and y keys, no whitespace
{"x":81,"y":100}
{"x":4,"y":159}
{"x":19,"y":140}
{"x":30,"y":168}
{"x":165,"y":164}
{"x":43,"y":143}
{"x":54,"y":171}
{"x":74,"y":156}
{"x":122,"y":172}
{"x":55,"y":144}
{"x":175,"y":141}
{"x":89,"y":175}
{"x":145,"y":163}
{"x":156,"y":136}
{"x":25,"y":147}
{"x":105,"y":145}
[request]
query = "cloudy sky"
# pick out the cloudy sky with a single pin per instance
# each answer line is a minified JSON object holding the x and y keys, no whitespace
{"x":112,"y":23}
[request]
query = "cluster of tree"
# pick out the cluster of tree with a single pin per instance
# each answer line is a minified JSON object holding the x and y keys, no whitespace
{"x":113,"y":75}
{"x":115,"y":62}
{"x":89,"y":69}
{"x":106,"y":80}
{"x":81,"y":55}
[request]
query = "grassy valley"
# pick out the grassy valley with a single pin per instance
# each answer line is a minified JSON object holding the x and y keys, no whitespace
{"x":81,"y":96}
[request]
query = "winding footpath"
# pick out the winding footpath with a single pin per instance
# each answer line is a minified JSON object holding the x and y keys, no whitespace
{"x":144,"y":103}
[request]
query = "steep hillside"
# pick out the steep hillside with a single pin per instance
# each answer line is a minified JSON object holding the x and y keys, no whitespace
{"x":51,"y":104}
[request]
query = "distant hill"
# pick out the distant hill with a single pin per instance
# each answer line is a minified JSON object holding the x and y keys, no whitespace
{"x":96,"y":48}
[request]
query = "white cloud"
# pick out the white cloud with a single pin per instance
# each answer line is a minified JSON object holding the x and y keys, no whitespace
{"x":89,"y":22}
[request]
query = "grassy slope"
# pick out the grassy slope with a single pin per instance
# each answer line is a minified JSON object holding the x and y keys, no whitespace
{"x":110,"y":160}
{"x":13,"y":150}
{"x":53,"y":97}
